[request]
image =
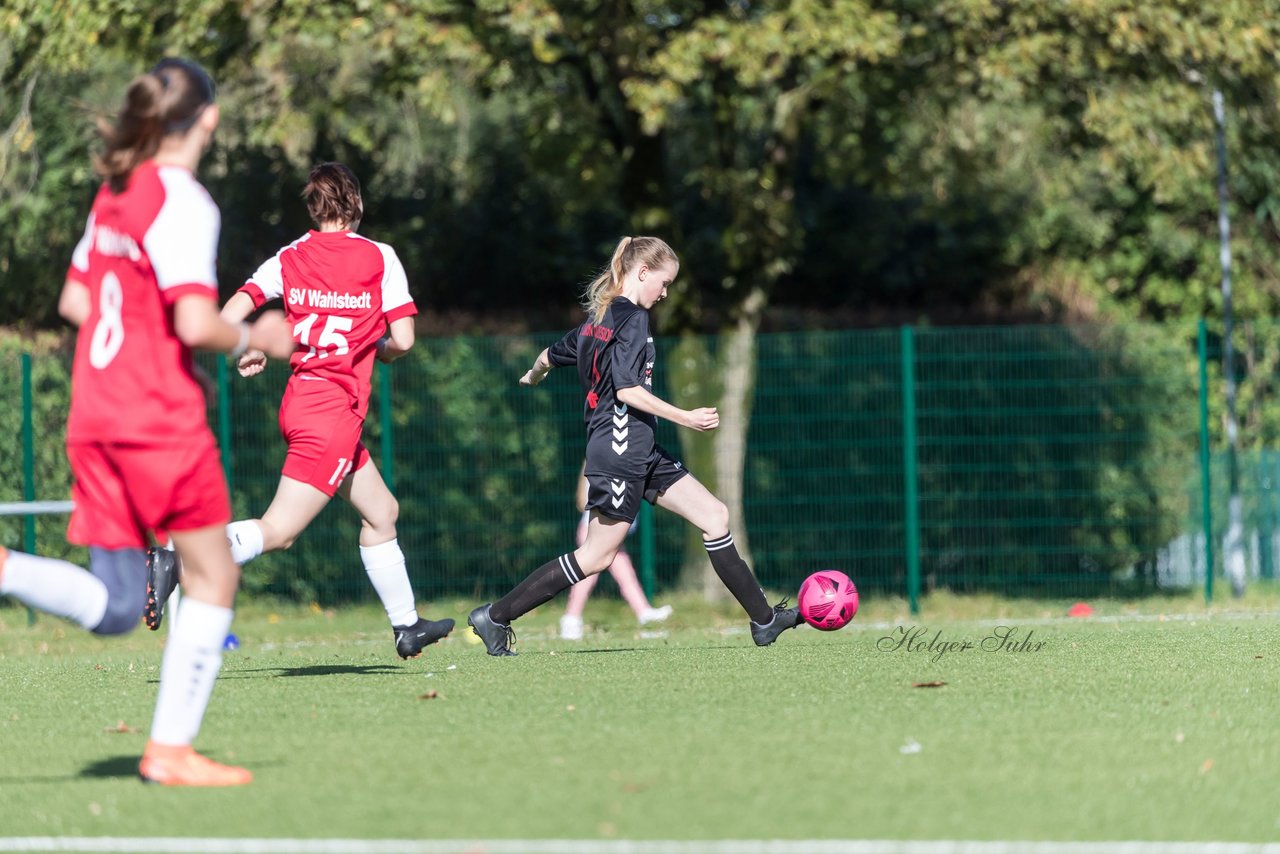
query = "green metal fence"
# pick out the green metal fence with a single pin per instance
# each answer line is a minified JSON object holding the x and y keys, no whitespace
{"x":1045,"y":461}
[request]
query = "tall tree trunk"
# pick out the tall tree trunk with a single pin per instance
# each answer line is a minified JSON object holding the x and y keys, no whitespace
{"x":722,"y":464}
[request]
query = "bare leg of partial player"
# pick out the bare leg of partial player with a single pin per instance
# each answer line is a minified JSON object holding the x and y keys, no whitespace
{"x":579,"y":594}
{"x":598,"y":550}
{"x":624,"y":573}
{"x":106,"y":600}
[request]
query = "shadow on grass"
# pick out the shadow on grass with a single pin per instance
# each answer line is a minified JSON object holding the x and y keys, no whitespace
{"x":114,"y":766}
{"x":597,"y":651}
{"x":648,"y":649}
{"x":313,"y":670}
{"x":324,"y":670}
{"x":127,"y":766}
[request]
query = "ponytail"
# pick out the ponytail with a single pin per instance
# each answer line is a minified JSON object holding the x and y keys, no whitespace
{"x":629,"y":253}
{"x":607,"y":285}
{"x":166,"y":100}
{"x":135,"y":135}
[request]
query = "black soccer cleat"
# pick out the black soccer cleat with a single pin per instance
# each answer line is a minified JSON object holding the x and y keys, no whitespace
{"x":783,"y":618}
{"x":497,"y":637}
{"x":411,"y":640}
{"x":162,"y":577}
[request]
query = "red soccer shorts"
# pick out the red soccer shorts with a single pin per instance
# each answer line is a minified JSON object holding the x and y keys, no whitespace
{"x":124,"y":492}
{"x":323,"y":434}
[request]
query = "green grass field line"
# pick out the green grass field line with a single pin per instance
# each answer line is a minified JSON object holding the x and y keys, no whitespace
{"x":1137,"y":730}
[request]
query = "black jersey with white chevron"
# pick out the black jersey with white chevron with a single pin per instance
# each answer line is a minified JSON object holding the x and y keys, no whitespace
{"x":614,"y":354}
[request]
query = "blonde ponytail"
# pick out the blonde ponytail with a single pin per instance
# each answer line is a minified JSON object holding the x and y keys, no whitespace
{"x":629,"y":253}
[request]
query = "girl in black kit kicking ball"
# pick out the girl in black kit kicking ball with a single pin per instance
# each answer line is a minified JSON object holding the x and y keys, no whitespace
{"x":614,"y":353}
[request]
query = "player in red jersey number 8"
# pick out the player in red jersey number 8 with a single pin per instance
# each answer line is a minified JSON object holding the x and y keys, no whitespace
{"x":143,"y":292}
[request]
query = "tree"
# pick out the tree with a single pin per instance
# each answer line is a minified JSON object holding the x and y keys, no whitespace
{"x":703,"y":107}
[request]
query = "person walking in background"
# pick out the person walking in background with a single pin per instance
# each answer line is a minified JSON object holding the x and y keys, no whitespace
{"x":623,"y":571}
{"x":347,"y":299}
{"x":614,"y":353}
{"x":143,"y":292}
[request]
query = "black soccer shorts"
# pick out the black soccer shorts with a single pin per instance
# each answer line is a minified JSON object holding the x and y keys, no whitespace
{"x":618,"y":496}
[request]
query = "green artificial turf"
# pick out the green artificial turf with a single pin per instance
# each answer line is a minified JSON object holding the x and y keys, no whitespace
{"x":1135,"y":727}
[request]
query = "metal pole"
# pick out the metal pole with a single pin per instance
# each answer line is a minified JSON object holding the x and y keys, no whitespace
{"x":910,"y":497}
{"x":224,"y":422}
{"x":28,"y":457}
{"x":28,"y":466}
{"x":648,"y":577}
{"x":1262,"y":514}
{"x":1206,"y":505}
{"x":1274,"y":508}
{"x":1233,"y":543}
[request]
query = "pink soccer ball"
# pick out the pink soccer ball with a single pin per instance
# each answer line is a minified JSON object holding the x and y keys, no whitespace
{"x":828,"y":600}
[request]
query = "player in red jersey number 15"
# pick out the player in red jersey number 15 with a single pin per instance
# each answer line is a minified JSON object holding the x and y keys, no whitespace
{"x":347,"y":300}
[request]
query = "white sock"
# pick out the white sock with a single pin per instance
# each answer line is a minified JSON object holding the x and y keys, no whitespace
{"x":245,"y":539}
{"x":192,"y":658}
{"x":55,"y":587}
{"x":385,"y":565}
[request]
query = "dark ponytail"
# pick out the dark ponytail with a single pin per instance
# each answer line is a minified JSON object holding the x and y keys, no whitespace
{"x":166,"y":100}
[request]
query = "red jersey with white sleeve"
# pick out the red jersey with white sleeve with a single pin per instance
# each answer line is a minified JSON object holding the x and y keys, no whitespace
{"x":142,"y":249}
{"x":339,"y":291}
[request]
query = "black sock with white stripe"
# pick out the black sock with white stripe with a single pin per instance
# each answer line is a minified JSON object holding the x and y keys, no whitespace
{"x":737,"y":576}
{"x":542,"y":585}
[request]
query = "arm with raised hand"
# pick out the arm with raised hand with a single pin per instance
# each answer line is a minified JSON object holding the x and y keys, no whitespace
{"x":541,"y":367}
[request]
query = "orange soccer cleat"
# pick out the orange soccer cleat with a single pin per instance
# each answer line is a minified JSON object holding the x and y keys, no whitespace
{"x":180,"y":765}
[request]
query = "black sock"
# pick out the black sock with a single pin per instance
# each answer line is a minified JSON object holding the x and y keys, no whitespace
{"x":541,"y":586}
{"x":737,"y":576}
